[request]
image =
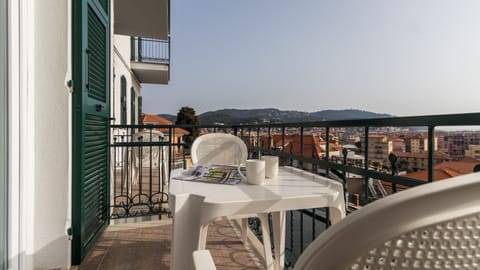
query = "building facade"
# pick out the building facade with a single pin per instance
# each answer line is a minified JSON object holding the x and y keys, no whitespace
{"x":473,"y":151}
{"x":379,"y":147}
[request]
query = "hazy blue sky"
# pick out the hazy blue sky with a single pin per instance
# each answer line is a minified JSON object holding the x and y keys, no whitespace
{"x":400,"y":57}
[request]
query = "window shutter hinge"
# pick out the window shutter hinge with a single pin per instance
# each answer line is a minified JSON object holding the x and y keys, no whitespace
{"x":70,"y":86}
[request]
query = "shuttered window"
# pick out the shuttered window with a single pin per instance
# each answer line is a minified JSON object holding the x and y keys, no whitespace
{"x":90,"y":158}
{"x":140,"y":122}
{"x":133,"y":111}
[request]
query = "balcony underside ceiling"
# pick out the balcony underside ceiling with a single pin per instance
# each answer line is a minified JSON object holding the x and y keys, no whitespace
{"x":142,"y":18}
{"x":151,"y":73}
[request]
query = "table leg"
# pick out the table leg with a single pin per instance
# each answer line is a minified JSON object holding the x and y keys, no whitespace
{"x":186,"y":230}
{"x":278,"y":220}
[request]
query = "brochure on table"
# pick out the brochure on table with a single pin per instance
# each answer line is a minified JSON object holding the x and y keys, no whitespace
{"x":216,"y":174}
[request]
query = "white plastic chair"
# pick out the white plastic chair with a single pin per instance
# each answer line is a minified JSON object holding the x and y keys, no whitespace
{"x":227,"y":149}
{"x":433,"y":226}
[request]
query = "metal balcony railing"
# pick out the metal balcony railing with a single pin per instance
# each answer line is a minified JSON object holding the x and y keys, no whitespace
{"x":143,"y":156}
{"x":149,"y":50}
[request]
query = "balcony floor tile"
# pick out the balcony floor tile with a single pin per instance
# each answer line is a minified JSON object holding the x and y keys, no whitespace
{"x":146,"y":245}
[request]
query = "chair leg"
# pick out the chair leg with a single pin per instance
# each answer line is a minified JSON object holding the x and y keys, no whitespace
{"x":244,"y":230}
{"x":202,"y":241}
{"x":266,"y":241}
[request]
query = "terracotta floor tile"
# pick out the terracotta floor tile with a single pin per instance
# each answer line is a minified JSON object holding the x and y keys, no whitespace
{"x":147,"y":246}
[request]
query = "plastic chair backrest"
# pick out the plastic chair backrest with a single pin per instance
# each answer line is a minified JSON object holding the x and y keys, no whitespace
{"x":218,"y":148}
{"x":143,"y":153}
{"x":433,"y":226}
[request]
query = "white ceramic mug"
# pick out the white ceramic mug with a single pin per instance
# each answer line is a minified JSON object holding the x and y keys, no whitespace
{"x":255,"y":172}
{"x":271,"y":166}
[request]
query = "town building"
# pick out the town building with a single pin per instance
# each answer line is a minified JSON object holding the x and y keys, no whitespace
{"x":379,"y":147}
{"x":418,"y":161}
{"x":473,"y":151}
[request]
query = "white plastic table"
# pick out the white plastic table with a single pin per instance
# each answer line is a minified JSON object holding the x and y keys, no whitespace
{"x":194,"y":204}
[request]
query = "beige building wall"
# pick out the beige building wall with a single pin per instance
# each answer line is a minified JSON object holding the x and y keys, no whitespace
{"x":473,"y":151}
{"x":379,"y":147}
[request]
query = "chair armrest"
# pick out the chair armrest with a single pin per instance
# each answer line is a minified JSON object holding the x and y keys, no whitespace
{"x":202,"y":259}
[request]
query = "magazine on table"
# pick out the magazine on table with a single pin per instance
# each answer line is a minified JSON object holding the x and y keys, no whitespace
{"x":216,"y":174}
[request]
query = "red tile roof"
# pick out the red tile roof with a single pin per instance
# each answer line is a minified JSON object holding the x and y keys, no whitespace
{"x":436,"y":155}
{"x":311,"y":144}
{"x":158,"y":120}
{"x":448,"y":169}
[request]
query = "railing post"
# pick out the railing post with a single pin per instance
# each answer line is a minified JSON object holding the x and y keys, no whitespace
{"x":301,"y":147}
{"x":345,"y":183}
{"x":259,"y":144}
{"x":327,"y":150}
{"x":269,"y":139}
{"x":431,"y":151}
{"x":139,"y":46}
{"x":365,"y":166}
{"x":393,"y":166}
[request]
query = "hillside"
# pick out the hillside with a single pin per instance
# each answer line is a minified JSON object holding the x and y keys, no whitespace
{"x":270,"y":115}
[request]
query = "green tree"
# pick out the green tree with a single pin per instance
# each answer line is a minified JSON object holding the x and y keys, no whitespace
{"x":186,"y":116}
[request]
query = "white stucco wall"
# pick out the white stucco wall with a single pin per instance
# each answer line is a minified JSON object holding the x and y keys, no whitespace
{"x":51,"y":144}
{"x":121,"y":66}
{"x":39,"y":154}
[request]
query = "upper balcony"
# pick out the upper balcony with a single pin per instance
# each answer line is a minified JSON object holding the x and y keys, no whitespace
{"x":150,"y":59}
{"x":142,"y":18}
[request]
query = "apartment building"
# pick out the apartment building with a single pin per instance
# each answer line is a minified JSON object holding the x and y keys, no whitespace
{"x":417,"y":143}
{"x":419,"y":161}
{"x":68,"y":72}
{"x":379,"y":147}
{"x":473,"y":151}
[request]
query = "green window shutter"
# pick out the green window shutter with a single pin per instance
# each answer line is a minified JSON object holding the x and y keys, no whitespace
{"x":123,"y":101}
{"x":104,"y":5}
{"x":133,"y":111}
{"x":91,"y":128}
{"x":140,"y":122}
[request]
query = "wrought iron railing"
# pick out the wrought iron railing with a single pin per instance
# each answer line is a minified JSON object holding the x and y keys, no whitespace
{"x":276,"y":139}
{"x":149,"y":50}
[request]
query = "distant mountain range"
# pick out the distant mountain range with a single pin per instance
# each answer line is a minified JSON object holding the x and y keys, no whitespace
{"x":256,"y":116}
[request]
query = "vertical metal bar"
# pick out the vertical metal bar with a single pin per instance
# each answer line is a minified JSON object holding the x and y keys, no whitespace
{"x":140,"y":158}
{"x":291,"y":230}
{"x":327,"y":217}
{"x":170,"y":146}
{"x":269,"y":140}
{"x":150,"y":201}
{"x":301,"y":147}
{"x":431,"y":154}
{"x":132,"y":48}
{"x":301,"y":231}
{"x":313,"y":224}
{"x":283,"y":143}
{"x":114,"y":172}
{"x":139,"y":44}
{"x":327,"y":150}
{"x":122,"y":171}
{"x":365,"y":166}
{"x":259,"y":146}
{"x":235,"y":131}
{"x":345,"y":180}
{"x":161,"y":159}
